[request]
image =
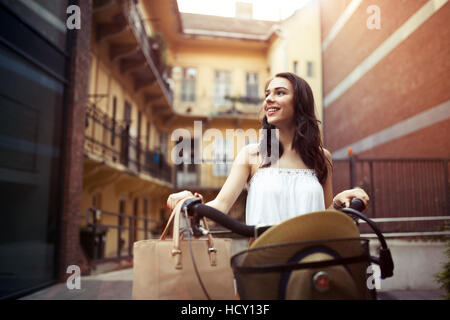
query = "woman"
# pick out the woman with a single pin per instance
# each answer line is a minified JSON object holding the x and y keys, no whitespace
{"x":298,"y":181}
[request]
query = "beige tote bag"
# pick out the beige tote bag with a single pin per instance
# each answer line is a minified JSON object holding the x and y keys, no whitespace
{"x":163,"y":269}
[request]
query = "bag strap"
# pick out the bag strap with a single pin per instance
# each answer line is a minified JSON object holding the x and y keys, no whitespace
{"x":176,"y":251}
{"x":211,"y":249}
{"x":166,"y":229}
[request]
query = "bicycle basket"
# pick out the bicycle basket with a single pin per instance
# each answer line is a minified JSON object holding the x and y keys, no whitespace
{"x":321,"y":269}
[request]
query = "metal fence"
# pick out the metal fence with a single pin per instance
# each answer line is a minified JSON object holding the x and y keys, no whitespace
{"x":110,"y":139}
{"x":399,"y":190}
{"x":121,"y":235}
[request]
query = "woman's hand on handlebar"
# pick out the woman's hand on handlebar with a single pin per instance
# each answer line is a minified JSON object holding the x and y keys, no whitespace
{"x":342,"y":200}
{"x":174,"y":198}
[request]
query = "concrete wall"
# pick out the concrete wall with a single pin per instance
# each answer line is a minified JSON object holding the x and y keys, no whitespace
{"x":300,"y":41}
{"x":415,"y":264}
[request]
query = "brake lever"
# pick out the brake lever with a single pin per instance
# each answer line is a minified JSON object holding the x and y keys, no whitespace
{"x":189,"y":203}
{"x":197,"y":230}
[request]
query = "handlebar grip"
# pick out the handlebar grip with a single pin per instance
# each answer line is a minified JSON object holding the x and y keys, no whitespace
{"x":357,"y":204}
{"x":197,"y":209}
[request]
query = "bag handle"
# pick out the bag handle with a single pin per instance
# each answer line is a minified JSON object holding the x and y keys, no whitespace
{"x":176,"y":251}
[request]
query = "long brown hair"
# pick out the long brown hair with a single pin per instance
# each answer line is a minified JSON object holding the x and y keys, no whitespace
{"x":307,"y":141}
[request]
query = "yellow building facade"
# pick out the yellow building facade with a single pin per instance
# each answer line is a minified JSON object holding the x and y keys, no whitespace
{"x":126,"y":170}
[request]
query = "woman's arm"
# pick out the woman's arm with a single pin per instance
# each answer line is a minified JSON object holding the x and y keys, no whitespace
{"x":240,"y":171}
{"x":230,"y":191}
{"x":328,"y":185}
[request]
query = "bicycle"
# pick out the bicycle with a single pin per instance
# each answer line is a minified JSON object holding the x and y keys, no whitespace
{"x":301,"y":269}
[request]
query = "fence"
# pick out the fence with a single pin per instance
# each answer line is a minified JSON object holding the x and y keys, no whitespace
{"x":97,"y":239}
{"x":110,"y":139}
{"x":401,"y":191}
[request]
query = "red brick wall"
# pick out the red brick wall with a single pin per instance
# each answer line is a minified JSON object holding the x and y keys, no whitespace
{"x":430,"y":142}
{"x":355,"y":41}
{"x":70,"y":252}
{"x":331,"y":10}
{"x":414,"y":77}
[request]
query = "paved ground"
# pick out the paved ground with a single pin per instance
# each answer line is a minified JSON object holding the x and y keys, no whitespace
{"x":117,"y":285}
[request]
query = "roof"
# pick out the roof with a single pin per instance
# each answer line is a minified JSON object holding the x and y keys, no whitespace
{"x":199,"y":24}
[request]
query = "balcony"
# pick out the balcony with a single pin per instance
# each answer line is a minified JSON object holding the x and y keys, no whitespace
{"x":120,"y":27}
{"x":228,"y":107}
{"x":109,"y":141}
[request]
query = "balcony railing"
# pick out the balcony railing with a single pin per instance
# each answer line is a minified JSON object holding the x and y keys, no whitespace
{"x":150,"y":49}
{"x":237,"y":107}
{"x":110,"y":140}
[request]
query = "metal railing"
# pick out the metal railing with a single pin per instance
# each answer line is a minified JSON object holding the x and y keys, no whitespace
{"x":94,"y":235}
{"x":401,"y":190}
{"x":408,"y":234}
{"x":110,"y":140}
{"x":153,"y":56}
{"x":243,"y":107}
{"x":102,"y":134}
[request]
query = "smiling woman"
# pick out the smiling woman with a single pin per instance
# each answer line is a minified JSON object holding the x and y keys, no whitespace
{"x":295,"y":182}
{"x":279,"y":98}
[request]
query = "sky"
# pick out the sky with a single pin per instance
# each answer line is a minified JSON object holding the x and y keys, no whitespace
{"x":273,"y":10}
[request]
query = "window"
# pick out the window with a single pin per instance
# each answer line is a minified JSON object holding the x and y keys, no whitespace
{"x":147,"y":136}
{"x":186,"y":172}
{"x":250,"y":140}
{"x":310,"y":69}
{"x":163,"y":143}
{"x":114,"y":115}
{"x":139,"y":128}
{"x":222,"y":88}
{"x":33,"y":92}
{"x":189,"y":77}
{"x":97,"y":200}
{"x":295,"y":67}
{"x":223,"y":157}
{"x":252,"y":85}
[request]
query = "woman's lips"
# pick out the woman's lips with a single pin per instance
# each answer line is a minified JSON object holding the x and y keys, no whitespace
{"x":271,"y":111}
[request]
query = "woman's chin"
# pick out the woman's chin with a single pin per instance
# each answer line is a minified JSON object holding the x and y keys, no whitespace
{"x":272,"y":121}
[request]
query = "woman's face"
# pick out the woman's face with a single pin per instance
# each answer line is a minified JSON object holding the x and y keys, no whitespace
{"x":279,"y":103}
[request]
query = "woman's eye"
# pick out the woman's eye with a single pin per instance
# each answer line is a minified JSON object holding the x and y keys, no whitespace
{"x":280,"y":92}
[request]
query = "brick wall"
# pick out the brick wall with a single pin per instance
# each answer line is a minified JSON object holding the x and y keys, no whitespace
{"x":70,"y":252}
{"x":330,"y":13}
{"x":355,"y":41}
{"x":412,"y":78}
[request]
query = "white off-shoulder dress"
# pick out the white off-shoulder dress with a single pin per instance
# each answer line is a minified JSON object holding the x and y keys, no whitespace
{"x":277,"y":194}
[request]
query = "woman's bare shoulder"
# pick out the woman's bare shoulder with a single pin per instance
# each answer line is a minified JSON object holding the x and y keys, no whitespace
{"x":252,"y":149}
{"x":246,"y":154}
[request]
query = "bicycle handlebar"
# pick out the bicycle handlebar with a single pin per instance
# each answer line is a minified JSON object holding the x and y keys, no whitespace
{"x":197,"y":210}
